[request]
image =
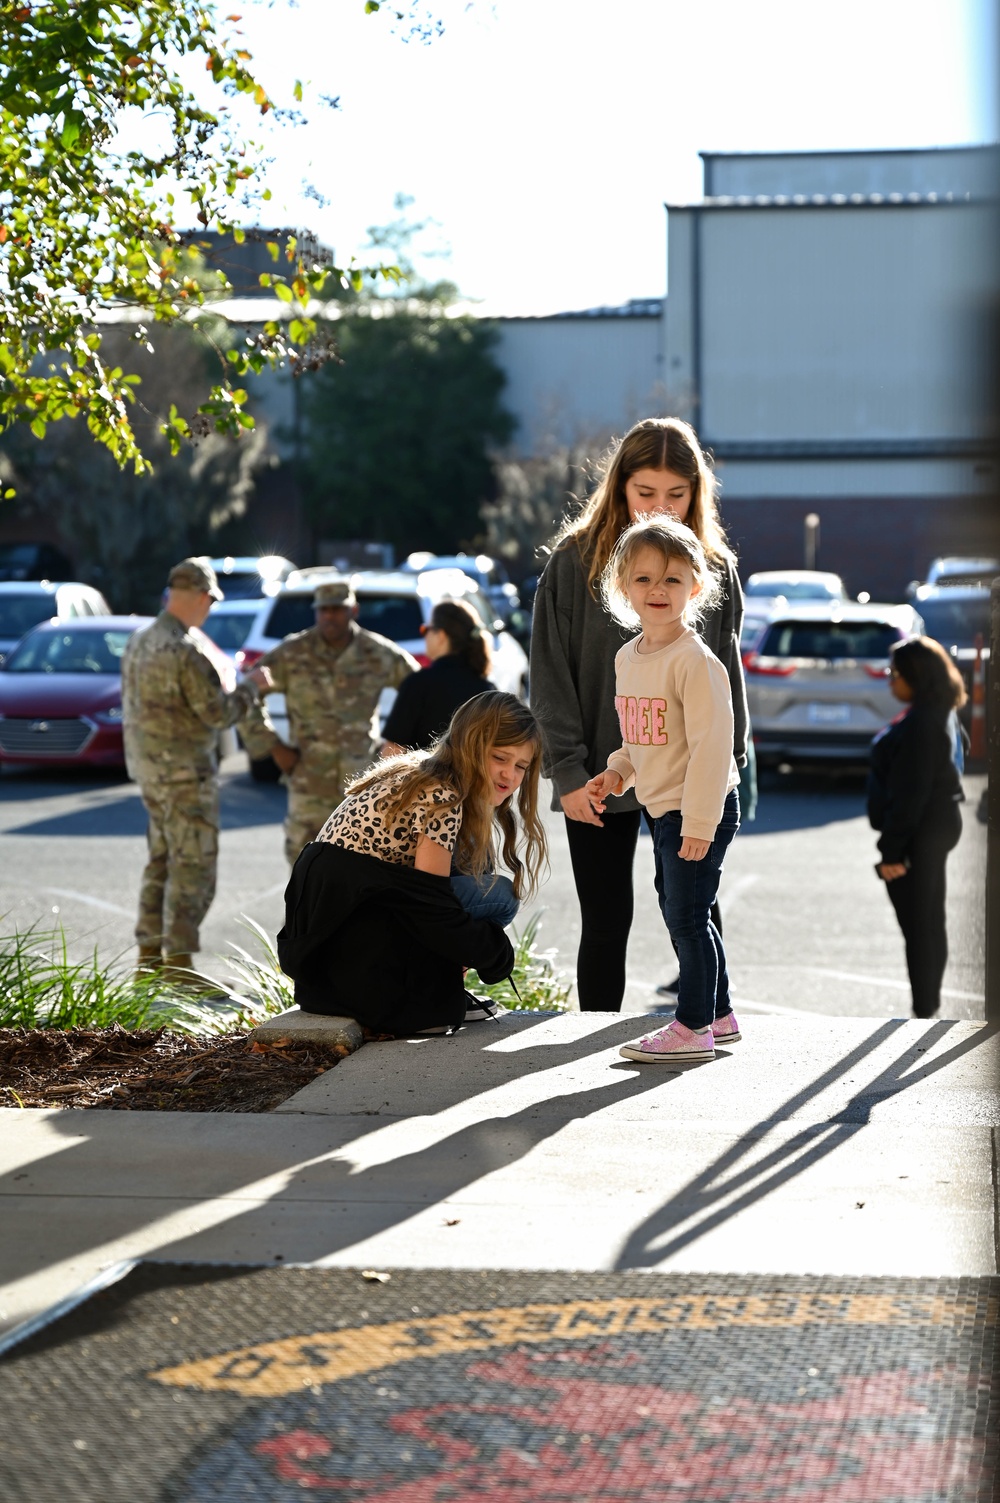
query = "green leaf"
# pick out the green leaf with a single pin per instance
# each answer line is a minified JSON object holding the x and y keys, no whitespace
{"x":283,"y":291}
{"x":39,"y":427}
{"x":297,"y":91}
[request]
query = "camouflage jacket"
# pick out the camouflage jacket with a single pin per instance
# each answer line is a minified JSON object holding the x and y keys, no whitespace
{"x":174,"y":705}
{"x":332,"y":695}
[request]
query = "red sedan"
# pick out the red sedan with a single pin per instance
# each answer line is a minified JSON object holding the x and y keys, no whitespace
{"x":61,"y":692}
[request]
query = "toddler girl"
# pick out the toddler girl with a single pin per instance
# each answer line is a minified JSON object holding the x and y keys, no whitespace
{"x":676,"y":714}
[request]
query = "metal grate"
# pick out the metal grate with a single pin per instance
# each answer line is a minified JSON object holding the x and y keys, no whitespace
{"x":44,"y":738}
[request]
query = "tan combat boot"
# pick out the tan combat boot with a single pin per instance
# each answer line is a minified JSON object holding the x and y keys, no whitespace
{"x":179,"y":970}
{"x":150,"y":962}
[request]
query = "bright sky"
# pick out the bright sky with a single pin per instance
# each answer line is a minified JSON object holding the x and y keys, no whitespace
{"x":545,"y":135}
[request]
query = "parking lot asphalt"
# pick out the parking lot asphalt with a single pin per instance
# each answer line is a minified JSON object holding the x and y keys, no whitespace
{"x":808,"y":926}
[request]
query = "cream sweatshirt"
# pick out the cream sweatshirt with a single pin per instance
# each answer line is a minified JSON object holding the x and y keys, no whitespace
{"x":676,"y":715}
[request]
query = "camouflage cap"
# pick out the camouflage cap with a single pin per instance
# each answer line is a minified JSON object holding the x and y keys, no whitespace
{"x":194,"y":574}
{"x":337,"y":592}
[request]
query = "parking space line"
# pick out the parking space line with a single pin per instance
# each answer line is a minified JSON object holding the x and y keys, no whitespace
{"x":82,"y":897}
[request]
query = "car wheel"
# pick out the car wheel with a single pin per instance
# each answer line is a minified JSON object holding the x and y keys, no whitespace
{"x":264,"y":770}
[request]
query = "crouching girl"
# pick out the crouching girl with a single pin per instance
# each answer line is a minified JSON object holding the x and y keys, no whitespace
{"x":375,"y":928}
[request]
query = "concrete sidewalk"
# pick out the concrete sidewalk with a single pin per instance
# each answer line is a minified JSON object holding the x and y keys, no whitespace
{"x":839,"y":1146}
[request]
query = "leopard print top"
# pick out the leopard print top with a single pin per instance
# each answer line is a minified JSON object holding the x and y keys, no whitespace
{"x":358,"y":824}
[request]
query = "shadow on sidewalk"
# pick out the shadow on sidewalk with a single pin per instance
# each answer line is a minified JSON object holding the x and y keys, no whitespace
{"x":327,"y":1224}
{"x":697,"y":1209}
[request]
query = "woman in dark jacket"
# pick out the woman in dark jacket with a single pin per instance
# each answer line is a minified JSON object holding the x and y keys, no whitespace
{"x":459,"y":668}
{"x":913,"y":796}
{"x":659,"y":466}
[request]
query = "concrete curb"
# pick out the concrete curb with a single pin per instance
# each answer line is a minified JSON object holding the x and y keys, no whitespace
{"x":311,"y":1028}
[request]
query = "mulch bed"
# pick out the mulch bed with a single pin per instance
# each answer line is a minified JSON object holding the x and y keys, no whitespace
{"x":154,"y":1070}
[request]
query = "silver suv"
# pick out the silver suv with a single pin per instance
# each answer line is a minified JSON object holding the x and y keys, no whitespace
{"x":818,"y":679}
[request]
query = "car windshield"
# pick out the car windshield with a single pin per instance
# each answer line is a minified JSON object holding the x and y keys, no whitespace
{"x":74,"y":650}
{"x":290,"y":613}
{"x":956,"y":623}
{"x":228,"y":629}
{"x":792,"y":589}
{"x":397,"y":617}
{"x":239,"y":586}
{"x":19,"y":613}
{"x":829,"y":639}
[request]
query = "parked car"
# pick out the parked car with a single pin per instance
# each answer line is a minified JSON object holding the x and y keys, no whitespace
{"x":954,"y":569}
{"x":23,"y":603}
{"x":61,"y":692}
{"x":249,"y":578}
{"x":488,"y":573}
{"x":818,"y":679}
{"x":230,"y":622}
{"x":955,"y":615}
{"x":772,"y":588}
{"x":33,"y":561}
{"x":395,"y":604}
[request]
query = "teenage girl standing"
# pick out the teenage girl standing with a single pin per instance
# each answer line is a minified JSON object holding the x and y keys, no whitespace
{"x":676,"y":716}
{"x":913,"y":796}
{"x":658,"y":468}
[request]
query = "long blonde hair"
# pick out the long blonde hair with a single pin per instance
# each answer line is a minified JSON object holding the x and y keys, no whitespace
{"x":653,"y":444}
{"x":460,"y":759}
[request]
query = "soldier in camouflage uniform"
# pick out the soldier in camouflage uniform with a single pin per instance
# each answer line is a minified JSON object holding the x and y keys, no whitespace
{"x":173,"y":707}
{"x":332,"y":677}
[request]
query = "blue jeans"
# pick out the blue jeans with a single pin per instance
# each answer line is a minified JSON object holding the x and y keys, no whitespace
{"x":487,"y":897}
{"x":687,"y":890}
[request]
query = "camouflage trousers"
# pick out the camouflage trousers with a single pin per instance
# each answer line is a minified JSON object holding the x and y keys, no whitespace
{"x":307,"y":813}
{"x":313,"y":798}
{"x":178,"y":884}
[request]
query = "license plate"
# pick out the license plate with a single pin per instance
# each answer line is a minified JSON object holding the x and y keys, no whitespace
{"x":828,"y":714}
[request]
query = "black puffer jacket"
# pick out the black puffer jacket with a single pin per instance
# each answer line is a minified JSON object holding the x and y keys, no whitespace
{"x":385,"y":944}
{"x":913,"y":783}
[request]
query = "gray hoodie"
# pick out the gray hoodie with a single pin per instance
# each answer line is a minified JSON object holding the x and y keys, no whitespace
{"x":573,"y":647}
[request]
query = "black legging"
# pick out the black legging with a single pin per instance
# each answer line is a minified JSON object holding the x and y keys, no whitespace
{"x":602,"y":869}
{"x":919,"y":901}
{"x":602,"y":860}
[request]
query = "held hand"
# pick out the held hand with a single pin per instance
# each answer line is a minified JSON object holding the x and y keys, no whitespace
{"x":890,"y":870}
{"x":261,"y":679}
{"x":599,"y":788}
{"x":287,"y":757}
{"x":693,"y":850}
{"x":577,"y":805}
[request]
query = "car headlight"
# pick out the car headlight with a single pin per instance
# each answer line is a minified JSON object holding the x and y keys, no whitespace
{"x":110,"y":717}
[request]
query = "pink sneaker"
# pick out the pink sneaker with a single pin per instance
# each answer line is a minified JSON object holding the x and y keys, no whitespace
{"x":726,"y":1030}
{"x":674,"y":1044}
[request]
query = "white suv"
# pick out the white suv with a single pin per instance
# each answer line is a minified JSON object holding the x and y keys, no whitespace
{"x":26,"y":602}
{"x":393,"y":604}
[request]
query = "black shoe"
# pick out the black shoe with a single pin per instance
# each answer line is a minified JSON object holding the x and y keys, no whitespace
{"x":478,"y":1009}
{"x":669,"y":988}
